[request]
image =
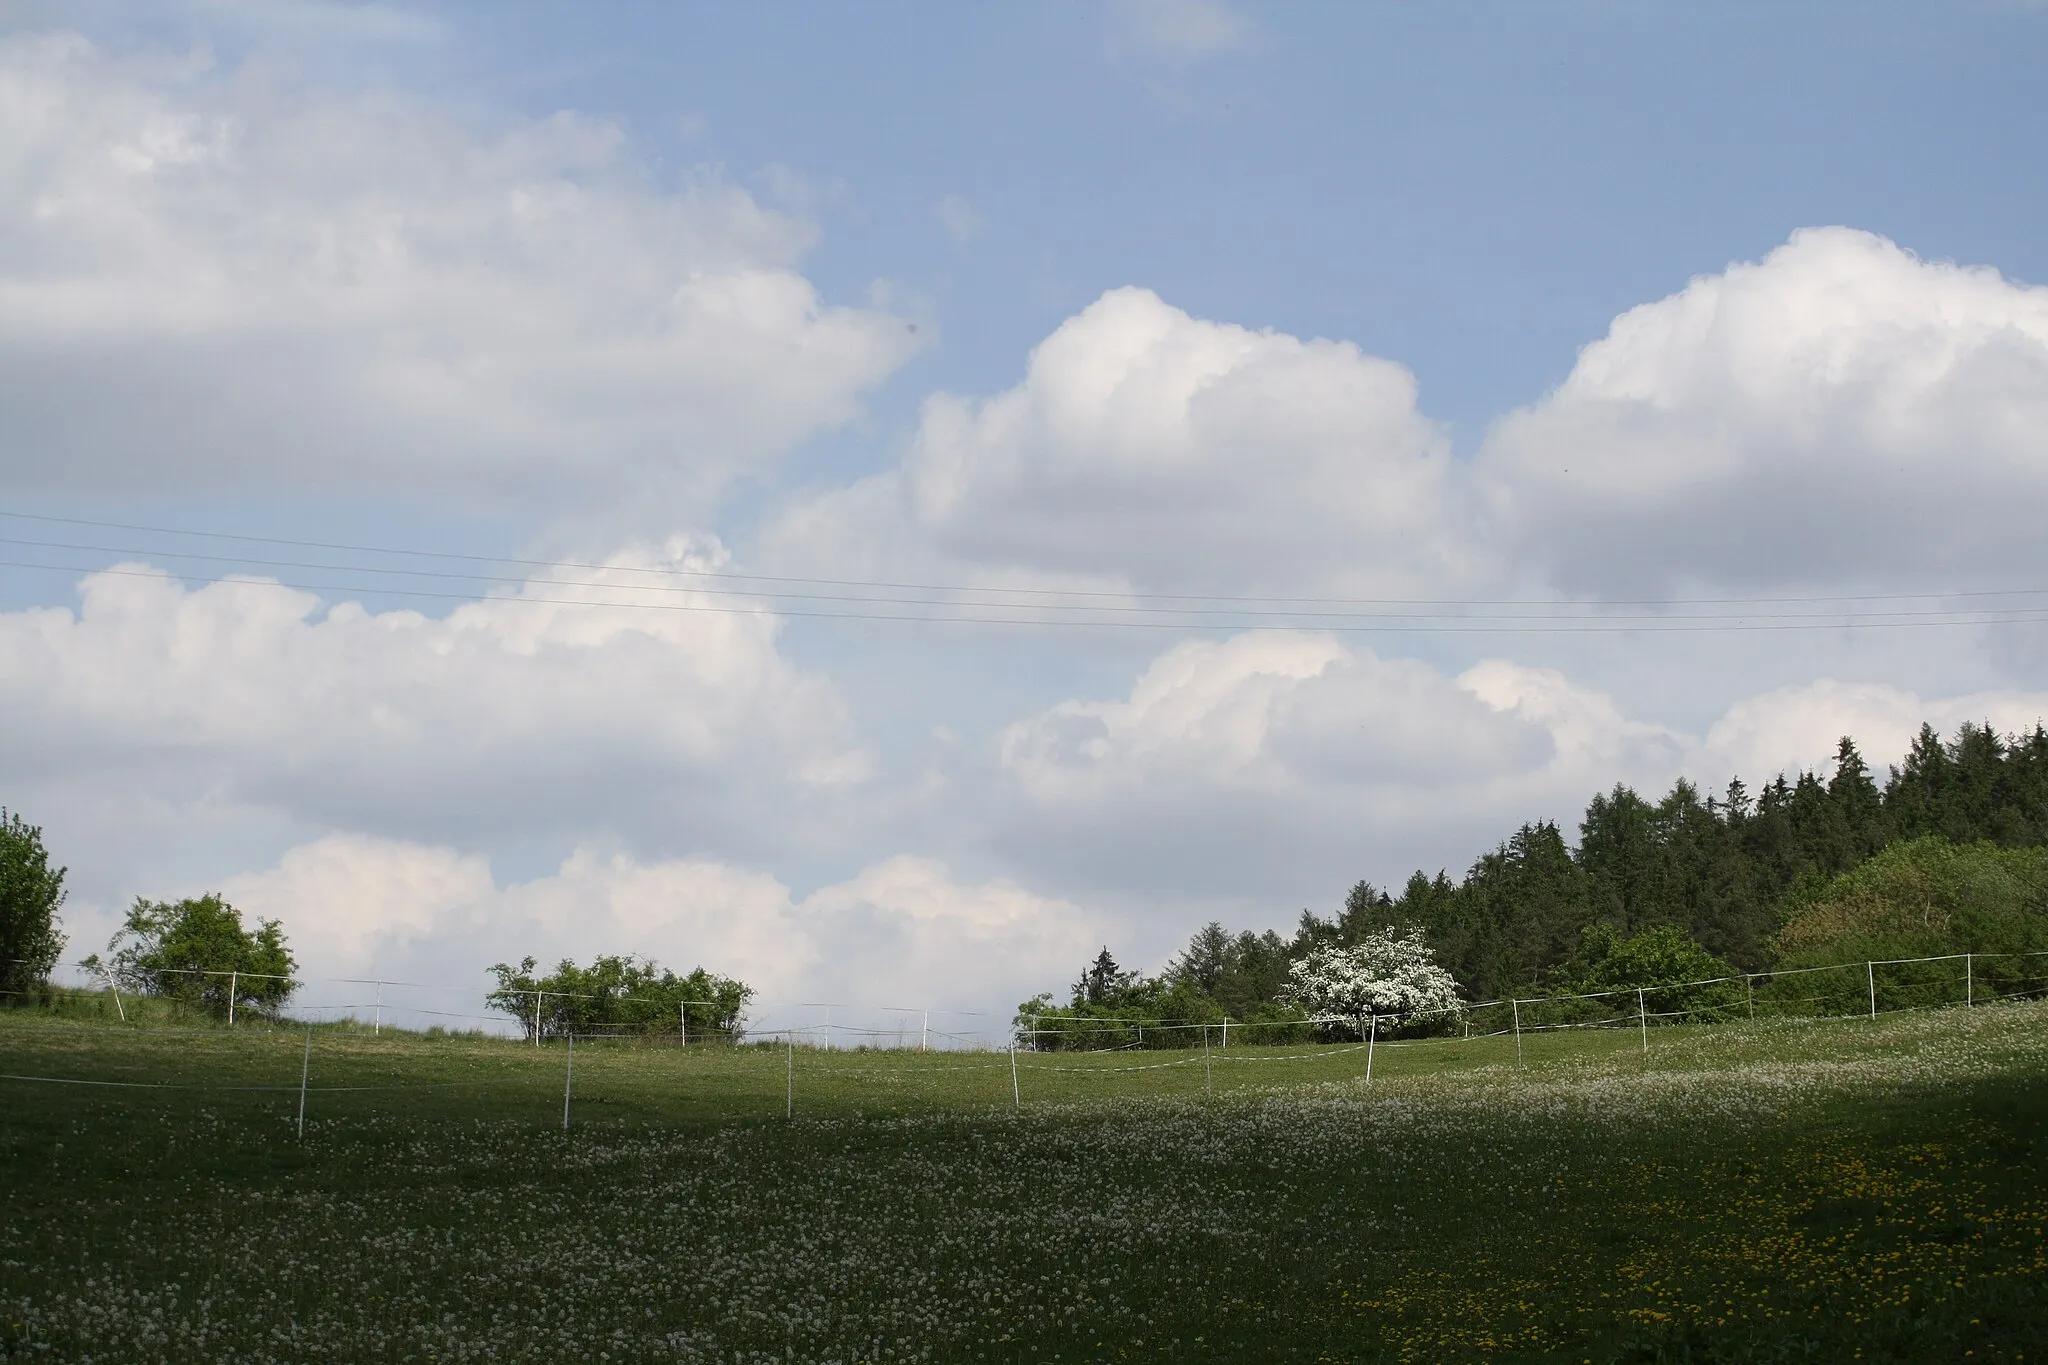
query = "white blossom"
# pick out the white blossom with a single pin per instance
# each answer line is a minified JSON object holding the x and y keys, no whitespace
{"x":1391,"y":975}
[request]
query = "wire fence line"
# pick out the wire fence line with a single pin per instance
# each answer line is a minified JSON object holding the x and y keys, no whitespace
{"x":1980,"y":975}
{"x":377,"y":1007}
{"x":1958,"y":980}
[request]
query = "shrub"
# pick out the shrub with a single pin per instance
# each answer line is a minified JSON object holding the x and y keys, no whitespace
{"x":30,"y":893}
{"x":197,"y":951}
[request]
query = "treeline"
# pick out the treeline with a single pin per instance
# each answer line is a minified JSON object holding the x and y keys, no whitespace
{"x":1727,"y":870}
{"x":1683,"y":887}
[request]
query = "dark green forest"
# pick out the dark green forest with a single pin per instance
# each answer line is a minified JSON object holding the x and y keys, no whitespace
{"x":1729,"y":872}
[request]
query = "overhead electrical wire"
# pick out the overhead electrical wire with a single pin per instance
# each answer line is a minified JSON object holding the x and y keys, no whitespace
{"x":1042,"y":606}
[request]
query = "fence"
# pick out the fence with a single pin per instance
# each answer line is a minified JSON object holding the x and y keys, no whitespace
{"x":385,"y":1000}
{"x":736,"y":1075}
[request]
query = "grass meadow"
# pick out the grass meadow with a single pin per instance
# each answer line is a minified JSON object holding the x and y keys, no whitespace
{"x":1826,"y":1191}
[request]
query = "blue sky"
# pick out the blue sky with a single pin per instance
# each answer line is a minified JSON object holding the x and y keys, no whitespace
{"x":309,"y":301}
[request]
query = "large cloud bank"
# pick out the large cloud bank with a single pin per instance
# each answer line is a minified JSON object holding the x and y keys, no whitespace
{"x":1252,"y":766}
{"x":1151,"y":448}
{"x":216,"y":276}
{"x":1839,"y":412}
{"x":901,"y":932}
{"x":538,"y":714}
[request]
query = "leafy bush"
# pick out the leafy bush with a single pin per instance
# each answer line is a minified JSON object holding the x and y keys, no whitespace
{"x":1665,"y":963}
{"x":1922,"y":898}
{"x":618,"y":995}
{"x":30,"y":893}
{"x":197,"y":951}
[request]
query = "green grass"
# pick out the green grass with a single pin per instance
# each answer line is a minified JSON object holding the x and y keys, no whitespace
{"x":1779,"y":1191}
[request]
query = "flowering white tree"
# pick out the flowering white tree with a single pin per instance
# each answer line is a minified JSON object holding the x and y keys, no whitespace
{"x":1390,"y":975}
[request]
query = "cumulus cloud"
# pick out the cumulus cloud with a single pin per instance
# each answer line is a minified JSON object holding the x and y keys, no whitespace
{"x":218,"y":276}
{"x":1840,"y":412}
{"x":537,"y":714}
{"x":902,"y":931}
{"x":1148,"y":447}
{"x":1287,"y":764}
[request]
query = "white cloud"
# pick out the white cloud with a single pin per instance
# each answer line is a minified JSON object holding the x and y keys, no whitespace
{"x":1182,"y":30}
{"x":1151,"y":448}
{"x":1840,"y":412}
{"x":900,"y":932}
{"x":1796,"y":727}
{"x":1286,"y":764}
{"x":533,"y":715}
{"x":211,"y":277}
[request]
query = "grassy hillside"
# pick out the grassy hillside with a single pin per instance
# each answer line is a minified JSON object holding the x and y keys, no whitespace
{"x":1783,"y":1190}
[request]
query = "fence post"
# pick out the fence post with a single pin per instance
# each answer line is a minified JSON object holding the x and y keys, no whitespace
{"x":1749,"y":988}
{"x":1643,"y":1020}
{"x":789,"y":1063}
{"x":924,"y":1032}
{"x":1969,"y":980}
{"x":683,"y":1013}
{"x":117,"y":994}
{"x":305,"y":1067}
{"x":1226,"y":1033}
{"x":377,"y":1020}
{"x":1016,"y":1092}
{"x":1370,"y":1039}
{"x":568,"y":1080}
{"x":1871,"y":969}
{"x":1516,"y":1006}
{"x":231,"y":999}
{"x":1208,"y":1081}
{"x":536,"y":1016}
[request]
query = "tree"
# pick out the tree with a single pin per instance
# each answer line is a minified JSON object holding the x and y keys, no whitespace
{"x":1618,"y":850}
{"x":1390,"y":975}
{"x":618,"y":995}
{"x":196,"y":950}
{"x":1661,"y":971}
{"x":1103,"y":983}
{"x":1210,"y":955}
{"x":1925,"y":897}
{"x":1857,"y":802}
{"x":30,"y":893}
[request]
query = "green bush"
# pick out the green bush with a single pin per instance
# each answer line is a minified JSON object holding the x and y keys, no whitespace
{"x":30,"y":893}
{"x":616,"y":995}
{"x":196,"y":951}
{"x":1922,"y":898}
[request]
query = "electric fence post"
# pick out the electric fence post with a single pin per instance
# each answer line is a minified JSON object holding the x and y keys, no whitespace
{"x":568,"y":1080}
{"x":305,"y":1069}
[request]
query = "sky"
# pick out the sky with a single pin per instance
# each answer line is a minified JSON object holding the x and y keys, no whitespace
{"x":884,"y":501}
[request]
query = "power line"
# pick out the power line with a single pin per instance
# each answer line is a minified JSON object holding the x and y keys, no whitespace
{"x":1555,"y":611}
{"x":1423,"y":624}
{"x":1129,"y":595}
